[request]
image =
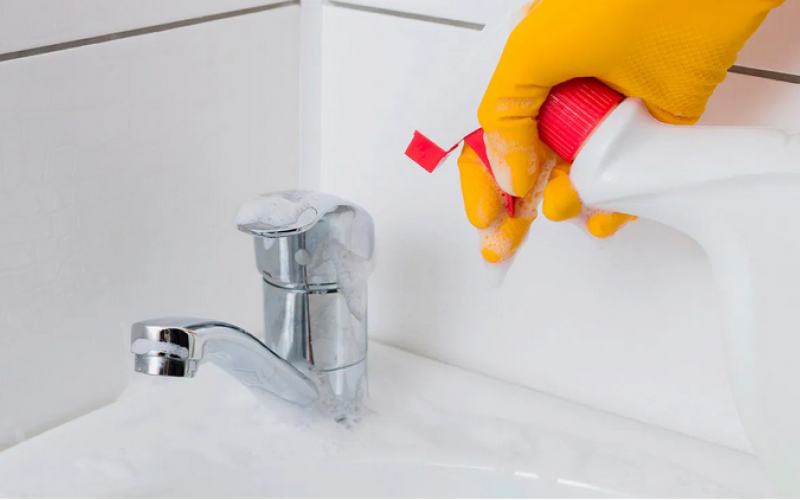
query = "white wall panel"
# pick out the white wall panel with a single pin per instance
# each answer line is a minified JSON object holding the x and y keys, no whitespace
{"x":26,"y":24}
{"x":121,"y":168}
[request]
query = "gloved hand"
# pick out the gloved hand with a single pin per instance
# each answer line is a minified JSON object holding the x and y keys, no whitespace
{"x":671,"y":53}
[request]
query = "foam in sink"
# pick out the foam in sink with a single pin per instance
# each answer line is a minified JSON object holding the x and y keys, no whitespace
{"x":211,"y":438}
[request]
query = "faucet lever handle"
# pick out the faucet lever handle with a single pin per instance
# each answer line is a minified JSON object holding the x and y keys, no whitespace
{"x":286,"y":213}
{"x":301,"y":237}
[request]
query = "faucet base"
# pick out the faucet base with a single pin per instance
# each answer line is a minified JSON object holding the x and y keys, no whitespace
{"x":348,"y":384}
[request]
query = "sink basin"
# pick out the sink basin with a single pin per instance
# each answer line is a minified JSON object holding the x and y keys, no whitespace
{"x":387,"y":480}
{"x":428,"y":430}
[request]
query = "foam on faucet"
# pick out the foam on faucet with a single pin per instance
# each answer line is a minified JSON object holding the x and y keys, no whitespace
{"x":352,"y":272}
{"x":293,"y":209}
{"x":278,"y":210}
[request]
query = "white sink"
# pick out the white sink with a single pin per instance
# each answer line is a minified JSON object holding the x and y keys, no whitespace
{"x":393,"y":480}
{"x":429,"y":430}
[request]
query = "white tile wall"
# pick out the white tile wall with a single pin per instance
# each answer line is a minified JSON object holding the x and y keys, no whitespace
{"x":121,"y":167}
{"x":775,"y":45}
{"x":630,"y":325}
{"x":748,"y":101}
{"x":26,"y":24}
{"x":772,"y":48}
{"x":474,"y":11}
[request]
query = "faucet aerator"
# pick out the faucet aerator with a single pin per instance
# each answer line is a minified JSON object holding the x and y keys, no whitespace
{"x":164,"y":366}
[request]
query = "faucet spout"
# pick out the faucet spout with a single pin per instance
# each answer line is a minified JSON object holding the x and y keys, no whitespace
{"x":175,"y":347}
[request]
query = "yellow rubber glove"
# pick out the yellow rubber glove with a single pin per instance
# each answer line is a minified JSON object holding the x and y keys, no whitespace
{"x":671,"y":53}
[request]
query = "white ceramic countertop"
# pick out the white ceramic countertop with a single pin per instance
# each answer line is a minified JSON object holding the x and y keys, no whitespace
{"x":428,"y":430}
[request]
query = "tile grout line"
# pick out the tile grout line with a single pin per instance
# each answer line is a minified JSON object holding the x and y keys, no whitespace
{"x":120,"y":35}
{"x":741,"y":70}
{"x":765,"y":73}
{"x":406,"y":15}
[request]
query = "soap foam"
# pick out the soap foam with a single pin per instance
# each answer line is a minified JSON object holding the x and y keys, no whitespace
{"x":345,"y":412}
{"x":352,"y":272}
{"x":278,"y":210}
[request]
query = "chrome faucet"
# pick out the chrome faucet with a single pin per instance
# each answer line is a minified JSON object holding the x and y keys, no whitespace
{"x":315,"y":253}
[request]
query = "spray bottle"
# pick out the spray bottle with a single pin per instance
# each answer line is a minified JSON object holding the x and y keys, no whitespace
{"x":735,"y":190}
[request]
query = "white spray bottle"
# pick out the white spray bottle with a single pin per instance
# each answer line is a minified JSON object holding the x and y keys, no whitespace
{"x":736,"y":191}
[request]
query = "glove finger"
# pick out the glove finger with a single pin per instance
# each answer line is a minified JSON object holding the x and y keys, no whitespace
{"x":482,"y":197}
{"x":503,"y":238}
{"x":605,"y":224}
{"x":561,"y":201}
{"x":508,"y":116}
{"x":515,"y":154}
